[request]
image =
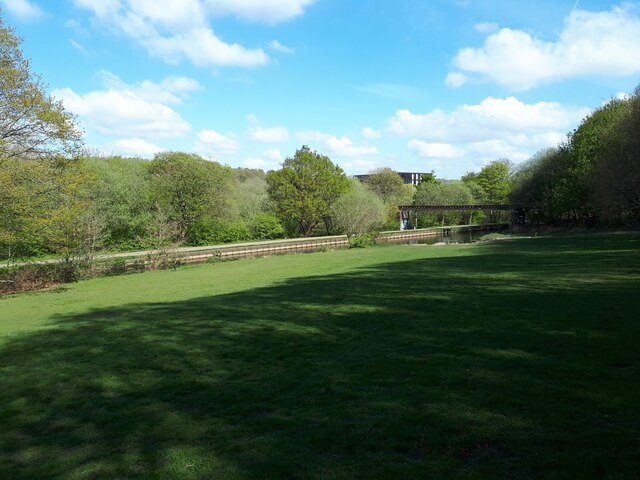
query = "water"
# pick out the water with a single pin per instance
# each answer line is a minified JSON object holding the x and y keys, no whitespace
{"x":452,"y":238}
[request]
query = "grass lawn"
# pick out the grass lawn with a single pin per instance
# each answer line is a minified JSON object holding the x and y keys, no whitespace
{"x":515,"y":359}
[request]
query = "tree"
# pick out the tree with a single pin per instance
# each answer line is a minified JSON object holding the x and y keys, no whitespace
{"x":385,"y":183}
{"x":189,"y":188}
{"x":358,"y":211}
{"x":303,"y":191}
{"x":123,"y":197}
{"x":32,"y":124}
{"x":493,"y":179}
{"x":442,"y":193}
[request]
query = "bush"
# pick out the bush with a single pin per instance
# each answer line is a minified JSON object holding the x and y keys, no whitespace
{"x":231,"y":233}
{"x":266,"y":226}
{"x":362,"y":241}
{"x":37,"y":276}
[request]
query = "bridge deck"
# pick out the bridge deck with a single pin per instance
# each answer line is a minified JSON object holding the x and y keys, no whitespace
{"x":461,"y":207}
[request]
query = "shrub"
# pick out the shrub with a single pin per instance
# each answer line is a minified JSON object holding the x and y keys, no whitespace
{"x":266,"y":226}
{"x":362,"y":241}
{"x":231,"y":233}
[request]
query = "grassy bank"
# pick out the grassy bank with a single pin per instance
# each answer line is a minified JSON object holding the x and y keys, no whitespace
{"x":510,"y":359}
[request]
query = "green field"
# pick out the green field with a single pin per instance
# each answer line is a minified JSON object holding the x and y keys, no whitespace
{"x":514,"y":359}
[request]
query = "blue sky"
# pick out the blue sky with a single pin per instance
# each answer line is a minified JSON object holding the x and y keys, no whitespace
{"x":444,"y":85}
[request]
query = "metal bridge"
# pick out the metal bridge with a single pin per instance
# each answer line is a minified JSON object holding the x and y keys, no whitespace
{"x":518,"y":212}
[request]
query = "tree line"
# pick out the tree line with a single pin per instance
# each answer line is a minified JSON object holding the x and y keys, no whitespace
{"x":55,"y":199}
{"x":593,"y":177}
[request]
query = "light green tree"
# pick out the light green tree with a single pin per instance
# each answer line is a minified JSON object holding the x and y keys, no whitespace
{"x":190,"y":189}
{"x":358,"y":211}
{"x":32,"y":124}
{"x":303,"y":191}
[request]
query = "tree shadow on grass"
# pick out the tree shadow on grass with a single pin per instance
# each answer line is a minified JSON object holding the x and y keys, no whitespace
{"x":517,"y":362}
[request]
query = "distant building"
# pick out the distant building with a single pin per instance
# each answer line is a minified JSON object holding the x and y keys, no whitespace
{"x":409,"y":178}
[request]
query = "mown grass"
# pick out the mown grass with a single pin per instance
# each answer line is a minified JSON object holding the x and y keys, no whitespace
{"x":511,"y":359}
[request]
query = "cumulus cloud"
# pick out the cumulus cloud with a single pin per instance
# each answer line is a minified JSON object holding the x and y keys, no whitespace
{"x":174,"y":31}
{"x":360,"y":166}
{"x":170,"y":90}
{"x":139,"y":110}
{"x":278,"y":47}
{"x":472,"y":135}
{"x":340,"y":147}
{"x":490,"y":118}
{"x":211,"y":144}
{"x":370,"y":133}
{"x":136,"y":147}
{"x":269,"y":160}
{"x":272,"y":154}
{"x":590,"y":43}
{"x":344,"y":147}
{"x":273,"y":11}
{"x":434,"y":150}
{"x":121,"y":112}
{"x":269,"y":135}
{"x":23,"y":9}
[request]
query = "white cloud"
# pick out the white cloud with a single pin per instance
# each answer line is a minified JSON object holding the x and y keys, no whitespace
{"x":174,"y":31}
{"x":272,"y":154}
{"x":140,"y":110}
{"x":254,"y":162}
{"x":269,"y":135}
{"x":253,"y":120}
{"x":261,"y":11}
{"x":23,"y":9}
{"x":340,"y":147}
{"x":278,"y":47}
{"x":344,"y":147}
{"x":491,"y":118}
{"x":591,"y":43}
{"x":122,"y":113}
{"x":360,"y":166}
{"x":211,"y":144}
{"x":370,"y":133}
{"x":77,"y":46}
{"x":203,"y":48}
{"x":456,"y":79}
{"x":136,"y":147}
{"x":434,"y":150}
{"x":471,"y":135}
{"x":171,"y":90}
{"x":486,"y":27}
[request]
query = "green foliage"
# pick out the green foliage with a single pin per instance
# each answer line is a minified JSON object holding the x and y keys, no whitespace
{"x":250,"y":198}
{"x":46,"y":207}
{"x":429,"y":178}
{"x":442,"y":193}
{"x":303,"y":191}
{"x":595,"y":176}
{"x":386,"y":183}
{"x":209,"y":232}
{"x":123,"y":201}
{"x":232,"y":233}
{"x":358,"y":211}
{"x":32,"y":124}
{"x":189,"y":188}
{"x":266,"y":226}
{"x":363,"y":240}
{"x":493,"y":180}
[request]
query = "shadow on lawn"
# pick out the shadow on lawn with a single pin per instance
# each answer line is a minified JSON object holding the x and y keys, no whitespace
{"x":517,"y":362}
